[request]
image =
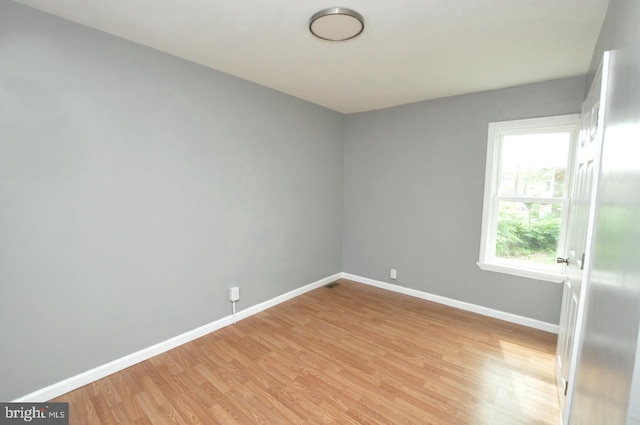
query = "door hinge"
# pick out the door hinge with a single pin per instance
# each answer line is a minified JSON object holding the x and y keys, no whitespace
{"x":566,"y":387}
{"x":582,"y":262}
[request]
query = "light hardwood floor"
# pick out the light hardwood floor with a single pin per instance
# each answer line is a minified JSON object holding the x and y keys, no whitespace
{"x":351,"y":354}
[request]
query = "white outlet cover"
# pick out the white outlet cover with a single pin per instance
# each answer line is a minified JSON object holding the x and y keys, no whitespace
{"x":234,"y":293}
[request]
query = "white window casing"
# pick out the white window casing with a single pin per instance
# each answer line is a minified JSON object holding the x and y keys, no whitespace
{"x":497,"y":131}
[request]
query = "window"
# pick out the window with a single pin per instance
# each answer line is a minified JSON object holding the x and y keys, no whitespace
{"x":526,"y":196}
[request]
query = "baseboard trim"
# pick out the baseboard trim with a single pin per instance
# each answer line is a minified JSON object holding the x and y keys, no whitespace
{"x":485,"y":311}
{"x":84,"y":378}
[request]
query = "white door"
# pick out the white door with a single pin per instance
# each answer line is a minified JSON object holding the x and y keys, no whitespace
{"x":605,"y":356}
{"x":580,"y":220}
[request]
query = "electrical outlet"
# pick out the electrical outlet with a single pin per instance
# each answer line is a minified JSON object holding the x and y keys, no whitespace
{"x":393,"y":274}
{"x":234,"y":293}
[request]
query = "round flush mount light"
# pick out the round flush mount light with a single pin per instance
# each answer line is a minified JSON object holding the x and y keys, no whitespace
{"x":336,"y":24}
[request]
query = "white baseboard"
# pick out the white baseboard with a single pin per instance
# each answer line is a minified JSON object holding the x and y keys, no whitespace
{"x":84,"y":378}
{"x":485,"y":311}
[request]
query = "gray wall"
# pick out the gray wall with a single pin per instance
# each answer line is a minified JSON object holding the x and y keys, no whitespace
{"x":135,"y":188}
{"x":619,"y":29}
{"x":414,"y":181}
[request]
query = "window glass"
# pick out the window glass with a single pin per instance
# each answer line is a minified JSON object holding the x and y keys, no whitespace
{"x":528,"y":232}
{"x":534,"y":165}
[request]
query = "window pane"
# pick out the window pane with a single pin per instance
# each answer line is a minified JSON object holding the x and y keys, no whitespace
{"x":534,"y":165}
{"x":528,"y":231}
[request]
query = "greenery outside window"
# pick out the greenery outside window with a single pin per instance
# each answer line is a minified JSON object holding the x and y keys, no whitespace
{"x":526,"y":199}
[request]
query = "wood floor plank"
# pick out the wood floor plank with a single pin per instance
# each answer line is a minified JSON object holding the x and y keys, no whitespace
{"x":352,"y":354}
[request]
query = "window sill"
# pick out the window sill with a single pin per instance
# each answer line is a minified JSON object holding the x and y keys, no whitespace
{"x":549,"y":276}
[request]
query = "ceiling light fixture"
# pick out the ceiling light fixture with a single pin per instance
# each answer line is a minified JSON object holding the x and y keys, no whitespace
{"x":336,"y":24}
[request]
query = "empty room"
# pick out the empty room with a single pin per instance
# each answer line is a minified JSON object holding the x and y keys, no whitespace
{"x":416,"y":212}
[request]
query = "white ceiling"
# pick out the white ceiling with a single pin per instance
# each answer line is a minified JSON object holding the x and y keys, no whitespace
{"x":410,"y":50}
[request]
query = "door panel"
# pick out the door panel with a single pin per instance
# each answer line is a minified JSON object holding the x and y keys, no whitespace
{"x":580,"y":219}
{"x":609,"y":332}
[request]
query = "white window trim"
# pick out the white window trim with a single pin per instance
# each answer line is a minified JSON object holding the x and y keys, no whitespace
{"x":497,"y":130}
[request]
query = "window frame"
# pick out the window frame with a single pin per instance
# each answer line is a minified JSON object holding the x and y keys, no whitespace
{"x":497,"y":130}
